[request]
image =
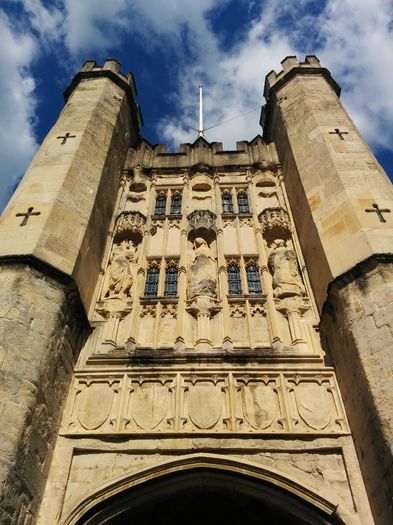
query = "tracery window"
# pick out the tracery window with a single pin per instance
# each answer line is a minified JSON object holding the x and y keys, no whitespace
{"x":171,"y":275}
{"x":151,"y":285}
{"x":160,"y":204}
{"x":176,"y":204}
{"x":234,"y":279}
{"x":253,"y":279}
{"x":227,"y":206}
{"x":242,"y":202}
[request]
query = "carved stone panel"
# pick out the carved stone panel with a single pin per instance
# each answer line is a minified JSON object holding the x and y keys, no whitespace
{"x":264,"y":402}
{"x":314,"y":404}
{"x":259,"y":405}
{"x":95,"y":404}
{"x":203,"y":403}
{"x":150,"y":404}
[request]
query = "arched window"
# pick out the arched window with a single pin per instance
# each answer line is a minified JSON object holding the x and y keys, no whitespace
{"x":227,"y":203}
{"x":176,"y":204}
{"x":171,"y":281}
{"x":253,"y":279}
{"x":151,"y":285}
{"x":160,"y":204}
{"x":242,"y":202}
{"x":234,"y":280}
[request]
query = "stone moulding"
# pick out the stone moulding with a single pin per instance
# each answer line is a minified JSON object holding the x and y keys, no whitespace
{"x":243,"y":471}
{"x":222,"y":402}
{"x":275,"y":224}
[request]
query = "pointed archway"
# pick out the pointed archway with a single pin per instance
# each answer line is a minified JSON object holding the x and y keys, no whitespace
{"x":203,"y":491}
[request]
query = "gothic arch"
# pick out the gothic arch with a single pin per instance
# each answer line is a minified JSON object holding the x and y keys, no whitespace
{"x":223,"y":473}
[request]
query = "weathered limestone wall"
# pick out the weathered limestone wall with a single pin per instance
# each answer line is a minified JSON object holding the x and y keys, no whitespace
{"x":42,"y":326}
{"x":358,"y":317}
{"x":334,"y":183}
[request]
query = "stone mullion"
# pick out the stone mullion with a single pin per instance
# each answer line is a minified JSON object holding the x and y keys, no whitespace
{"x":267,"y":286}
{"x":249,"y":325}
{"x":222,"y":273}
{"x":234,"y":200}
{"x":182,"y":271}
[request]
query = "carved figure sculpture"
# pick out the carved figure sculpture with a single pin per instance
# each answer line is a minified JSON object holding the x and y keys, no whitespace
{"x":284,"y":268}
{"x":120,"y":270}
{"x":203,"y":270}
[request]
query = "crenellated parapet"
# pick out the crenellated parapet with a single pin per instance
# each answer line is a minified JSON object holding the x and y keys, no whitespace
{"x":207,"y":155}
{"x":291,"y":67}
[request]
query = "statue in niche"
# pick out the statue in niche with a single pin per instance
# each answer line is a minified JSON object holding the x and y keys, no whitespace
{"x":284,"y":268}
{"x":203,"y":270}
{"x":120,"y":277}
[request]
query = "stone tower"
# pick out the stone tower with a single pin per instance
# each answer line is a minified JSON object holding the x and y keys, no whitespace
{"x":200,"y":336}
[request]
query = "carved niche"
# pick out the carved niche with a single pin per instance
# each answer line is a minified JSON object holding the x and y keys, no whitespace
{"x":116,"y":294}
{"x":284,"y":268}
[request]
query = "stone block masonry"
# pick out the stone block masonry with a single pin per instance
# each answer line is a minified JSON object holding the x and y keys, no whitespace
{"x":43,"y":326}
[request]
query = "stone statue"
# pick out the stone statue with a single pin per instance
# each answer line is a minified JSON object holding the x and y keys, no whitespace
{"x":284,"y":268}
{"x":203,"y":270}
{"x":120,"y":270}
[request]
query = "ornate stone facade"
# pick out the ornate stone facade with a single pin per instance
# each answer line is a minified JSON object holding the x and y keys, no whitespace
{"x":204,"y":359}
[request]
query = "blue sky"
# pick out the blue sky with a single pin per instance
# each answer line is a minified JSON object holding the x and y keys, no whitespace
{"x":171,"y":46}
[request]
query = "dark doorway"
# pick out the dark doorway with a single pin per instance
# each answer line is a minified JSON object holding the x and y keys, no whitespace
{"x":203,"y":497}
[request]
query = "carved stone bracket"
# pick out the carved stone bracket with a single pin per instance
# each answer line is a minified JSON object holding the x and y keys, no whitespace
{"x":202,"y":219}
{"x":203,"y":305}
{"x":275,"y":224}
{"x":129,"y":223}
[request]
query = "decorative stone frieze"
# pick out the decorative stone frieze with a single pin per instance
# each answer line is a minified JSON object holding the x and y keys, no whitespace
{"x":166,"y":401}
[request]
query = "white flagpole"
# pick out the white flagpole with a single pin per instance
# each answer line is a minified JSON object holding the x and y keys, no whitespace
{"x":200,"y":130}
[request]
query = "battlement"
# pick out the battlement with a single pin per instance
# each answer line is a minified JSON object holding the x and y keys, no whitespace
{"x":211,"y":154}
{"x":112,"y":65}
{"x":291,"y":67}
{"x":111,"y":70}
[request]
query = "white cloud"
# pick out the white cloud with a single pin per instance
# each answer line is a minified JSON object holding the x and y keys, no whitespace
{"x":358,"y":48}
{"x":353,"y":38}
{"x":17,"y":105}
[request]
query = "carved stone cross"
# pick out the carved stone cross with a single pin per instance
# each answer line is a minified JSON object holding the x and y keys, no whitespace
{"x":378,"y":211}
{"x":65,"y":138}
{"x":338,"y":133}
{"x":26,"y":216}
